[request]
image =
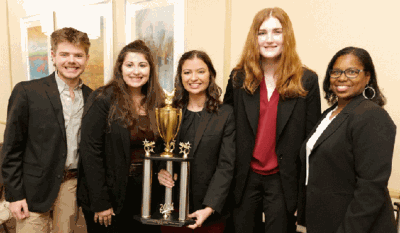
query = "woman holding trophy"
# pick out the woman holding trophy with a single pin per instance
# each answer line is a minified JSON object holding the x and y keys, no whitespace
{"x":117,"y":118}
{"x":209,"y":126}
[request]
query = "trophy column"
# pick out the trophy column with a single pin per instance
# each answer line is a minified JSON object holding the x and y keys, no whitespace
{"x":147,"y":177}
{"x":168,"y":191}
{"x":184,"y":189}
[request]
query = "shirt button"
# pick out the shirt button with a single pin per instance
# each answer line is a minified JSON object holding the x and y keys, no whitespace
{"x":59,"y":176}
{"x":280,"y":157}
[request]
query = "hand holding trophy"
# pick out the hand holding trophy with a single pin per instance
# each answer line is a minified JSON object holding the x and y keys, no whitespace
{"x":168,"y":123}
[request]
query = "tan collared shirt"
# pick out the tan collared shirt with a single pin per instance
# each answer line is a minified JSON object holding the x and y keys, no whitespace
{"x":73,"y":111}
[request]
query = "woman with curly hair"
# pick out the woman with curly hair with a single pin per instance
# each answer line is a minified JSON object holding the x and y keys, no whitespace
{"x":117,"y":118}
{"x":209,"y":126}
{"x":276,"y":102}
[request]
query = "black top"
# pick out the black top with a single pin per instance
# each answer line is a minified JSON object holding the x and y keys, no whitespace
{"x":190,"y":123}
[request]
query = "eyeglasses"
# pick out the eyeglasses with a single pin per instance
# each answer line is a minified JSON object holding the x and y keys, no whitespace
{"x":350,"y":73}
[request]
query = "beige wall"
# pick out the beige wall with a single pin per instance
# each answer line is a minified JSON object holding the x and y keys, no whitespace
{"x":5,"y":81}
{"x":322,"y":27}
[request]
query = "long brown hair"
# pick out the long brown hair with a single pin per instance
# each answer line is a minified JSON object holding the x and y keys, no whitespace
{"x":213,"y":92}
{"x":123,"y":108}
{"x":290,"y":68}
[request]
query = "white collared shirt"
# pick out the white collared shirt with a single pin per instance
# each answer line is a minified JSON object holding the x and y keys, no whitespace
{"x":72,"y":111}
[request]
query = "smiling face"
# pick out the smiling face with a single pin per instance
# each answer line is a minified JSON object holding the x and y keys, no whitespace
{"x":70,"y":60}
{"x":270,"y":39}
{"x":344,"y":88}
{"x":135,"y":70}
{"x":195,"y":76}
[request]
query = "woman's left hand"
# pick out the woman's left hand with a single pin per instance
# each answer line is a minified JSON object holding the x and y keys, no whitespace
{"x":201,"y":216}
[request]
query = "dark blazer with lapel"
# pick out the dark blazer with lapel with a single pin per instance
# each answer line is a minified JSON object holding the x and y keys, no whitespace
{"x":295,"y":119}
{"x":35,"y":146}
{"x":349,"y":169}
{"x":105,"y":157}
{"x":104,"y":165}
{"x":213,"y":165}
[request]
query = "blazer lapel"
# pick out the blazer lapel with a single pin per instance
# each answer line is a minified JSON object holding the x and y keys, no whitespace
{"x":86,"y":92}
{"x":252,"y":106}
{"x":54,"y":97}
{"x":339,"y":119}
{"x":303,"y":147}
{"x":285,"y":109}
{"x":205,"y":118}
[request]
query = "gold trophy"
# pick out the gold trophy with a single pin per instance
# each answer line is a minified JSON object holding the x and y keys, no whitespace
{"x":168,"y":123}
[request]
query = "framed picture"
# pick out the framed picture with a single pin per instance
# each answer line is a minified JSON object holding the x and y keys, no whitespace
{"x":160,"y":24}
{"x":35,"y":44}
{"x":95,"y":20}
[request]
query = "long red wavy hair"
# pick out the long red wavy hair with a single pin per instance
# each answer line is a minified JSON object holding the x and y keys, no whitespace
{"x":290,"y":68}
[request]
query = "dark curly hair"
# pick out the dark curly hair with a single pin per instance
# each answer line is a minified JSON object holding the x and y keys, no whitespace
{"x":122,"y":107}
{"x":213,"y":92}
{"x":368,"y":66}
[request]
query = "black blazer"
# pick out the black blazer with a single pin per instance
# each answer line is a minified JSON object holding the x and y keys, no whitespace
{"x":105,"y":157}
{"x":349,"y":169}
{"x":212,"y":169}
{"x":35,"y":146}
{"x":295,"y":119}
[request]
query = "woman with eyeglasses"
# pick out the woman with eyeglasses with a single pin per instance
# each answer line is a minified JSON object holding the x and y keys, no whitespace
{"x":276,"y":101}
{"x":347,"y":158}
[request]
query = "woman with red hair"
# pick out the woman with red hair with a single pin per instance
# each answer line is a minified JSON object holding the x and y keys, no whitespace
{"x":276,"y":102}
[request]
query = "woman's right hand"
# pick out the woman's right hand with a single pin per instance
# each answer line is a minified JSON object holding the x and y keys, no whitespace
{"x":166,"y":179}
{"x":104,"y":217}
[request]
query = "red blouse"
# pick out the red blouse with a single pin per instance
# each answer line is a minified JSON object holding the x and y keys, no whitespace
{"x":265,"y":161}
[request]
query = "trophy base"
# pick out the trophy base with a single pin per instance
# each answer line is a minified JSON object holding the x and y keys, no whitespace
{"x":172,"y":220}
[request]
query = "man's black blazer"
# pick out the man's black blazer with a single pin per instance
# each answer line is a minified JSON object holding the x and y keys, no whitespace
{"x":35,"y":146}
{"x":349,"y":169}
{"x":295,"y":119}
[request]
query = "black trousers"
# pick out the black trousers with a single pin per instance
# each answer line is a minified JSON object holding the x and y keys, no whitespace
{"x":124,"y":221}
{"x":263,"y":194}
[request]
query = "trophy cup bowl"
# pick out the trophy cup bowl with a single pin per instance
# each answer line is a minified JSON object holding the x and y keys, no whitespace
{"x":168,"y":123}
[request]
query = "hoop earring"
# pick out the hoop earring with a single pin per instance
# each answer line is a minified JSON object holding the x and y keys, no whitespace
{"x":370,"y":88}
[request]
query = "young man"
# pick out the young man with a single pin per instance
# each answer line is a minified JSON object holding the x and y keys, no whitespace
{"x":41,"y":139}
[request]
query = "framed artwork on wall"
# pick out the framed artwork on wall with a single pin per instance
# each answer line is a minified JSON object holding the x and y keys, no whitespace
{"x":97,"y":21}
{"x":35,"y":45}
{"x":160,"y":24}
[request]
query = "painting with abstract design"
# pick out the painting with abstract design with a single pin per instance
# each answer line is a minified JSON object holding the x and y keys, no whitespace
{"x":38,"y":55}
{"x":94,"y":72}
{"x":155,"y":26}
